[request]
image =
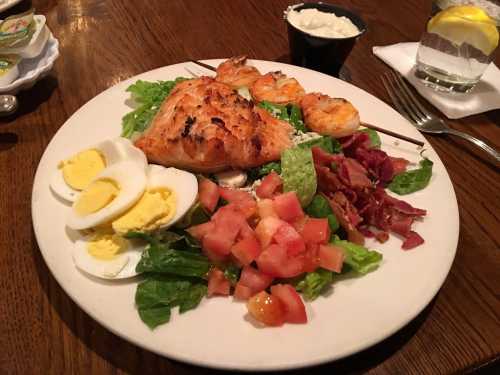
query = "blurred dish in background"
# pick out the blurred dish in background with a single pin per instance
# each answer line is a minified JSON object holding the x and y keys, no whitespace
{"x":32,"y":70}
{"x":6,"y":4}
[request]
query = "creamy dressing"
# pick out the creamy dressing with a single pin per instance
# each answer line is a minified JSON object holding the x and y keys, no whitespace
{"x":322,"y":24}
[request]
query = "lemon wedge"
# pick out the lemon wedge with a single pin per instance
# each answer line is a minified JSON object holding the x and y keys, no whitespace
{"x":466,"y":24}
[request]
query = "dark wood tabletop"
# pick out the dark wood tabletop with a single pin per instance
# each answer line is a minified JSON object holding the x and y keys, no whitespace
{"x":102,"y":42}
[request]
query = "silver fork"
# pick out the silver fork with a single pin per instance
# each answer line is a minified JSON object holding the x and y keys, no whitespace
{"x":410,"y":107}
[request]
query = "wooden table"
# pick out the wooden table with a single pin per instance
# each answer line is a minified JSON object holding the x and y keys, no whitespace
{"x":103,"y":42}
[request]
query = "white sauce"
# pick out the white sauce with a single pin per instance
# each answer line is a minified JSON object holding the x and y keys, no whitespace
{"x":323,"y":24}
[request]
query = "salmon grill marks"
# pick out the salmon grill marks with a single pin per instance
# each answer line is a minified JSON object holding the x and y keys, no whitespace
{"x":205,"y":126}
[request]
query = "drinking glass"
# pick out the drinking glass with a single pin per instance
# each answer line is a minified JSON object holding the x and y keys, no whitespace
{"x":459,"y":43}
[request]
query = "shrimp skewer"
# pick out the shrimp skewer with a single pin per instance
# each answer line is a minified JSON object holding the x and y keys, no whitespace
{"x":335,"y":117}
{"x":277,"y":88}
{"x":235,"y":73}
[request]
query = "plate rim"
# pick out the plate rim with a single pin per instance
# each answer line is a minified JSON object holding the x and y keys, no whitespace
{"x":245,"y":367}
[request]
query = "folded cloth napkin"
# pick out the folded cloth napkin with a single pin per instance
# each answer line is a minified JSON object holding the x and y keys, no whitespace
{"x":484,"y":97}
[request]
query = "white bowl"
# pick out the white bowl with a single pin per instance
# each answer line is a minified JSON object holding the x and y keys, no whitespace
{"x":31,"y":70}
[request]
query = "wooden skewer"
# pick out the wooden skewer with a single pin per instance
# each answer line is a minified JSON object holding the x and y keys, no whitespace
{"x":388,"y":132}
{"x":395,"y":135}
{"x":206,"y":66}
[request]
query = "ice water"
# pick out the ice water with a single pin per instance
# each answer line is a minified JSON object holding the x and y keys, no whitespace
{"x":446,"y":65}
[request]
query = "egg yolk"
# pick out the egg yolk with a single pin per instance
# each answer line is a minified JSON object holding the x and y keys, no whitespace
{"x":96,"y":196}
{"x":106,"y":246}
{"x":79,"y":170}
{"x":155,"y":209}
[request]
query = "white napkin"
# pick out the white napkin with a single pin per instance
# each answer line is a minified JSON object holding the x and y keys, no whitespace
{"x":484,"y":97}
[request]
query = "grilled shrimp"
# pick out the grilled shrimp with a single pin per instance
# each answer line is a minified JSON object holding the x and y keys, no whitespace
{"x":236,"y":74}
{"x":277,"y":88}
{"x":335,"y":117}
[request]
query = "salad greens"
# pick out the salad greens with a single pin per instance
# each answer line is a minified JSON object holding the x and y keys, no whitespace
{"x":173,"y":277}
{"x":158,"y":294}
{"x":160,"y":259}
{"x":298,"y":173}
{"x":414,"y":180}
{"x":289,"y":113}
{"x":358,"y":257}
{"x":320,"y":208}
{"x":313,"y":284}
{"x":149,"y":96}
{"x":374,"y":137}
{"x":328,"y":144}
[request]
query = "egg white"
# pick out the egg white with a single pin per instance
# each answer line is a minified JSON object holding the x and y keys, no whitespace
{"x":114,"y":151}
{"x":122,"y":266}
{"x":182,"y":183}
{"x":131,"y":179}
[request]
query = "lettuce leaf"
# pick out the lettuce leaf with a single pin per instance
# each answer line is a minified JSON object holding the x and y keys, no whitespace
{"x":414,"y":180}
{"x":328,"y":144}
{"x":314,"y":283}
{"x":149,"y":96}
{"x":358,"y":257}
{"x":156,"y":296}
{"x":289,"y":113}
{"x":161,"y":259}
{"x":298,"y":173}
{"x":320,"y":208}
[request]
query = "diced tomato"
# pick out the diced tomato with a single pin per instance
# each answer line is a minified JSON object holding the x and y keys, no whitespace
{"x":254,"y":279}
{"x":241,"y":199}
{"x":310,"y":257}
{"x":242,"y":291}
{"x":316,"y":230}
{"x":199,"y":231}
{"x":288,"y":237}
{"x":295,"y":311}
{"x":270,"y":185}
{"x":217,"y":283}
{"x":213,"y":256}
{"x":265,"y":208}
{"x":287,"y":206}
{"x":208,"y":192}
{"x":266,"y":309}
{"x":246,"y":250}
{"x":246,"y":230}
{"x":248,"y":207}
{"x":299,"y":223}
{"x":228,"y":221}
{"x":214,"y":242}
{"x":266,"y":229}
{"x":331,"y":257}
{"x":274,"y":261}
{"x":234,"y":195}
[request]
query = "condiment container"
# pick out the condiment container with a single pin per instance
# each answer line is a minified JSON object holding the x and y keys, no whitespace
{"x":36,"y":43}
{"x":9,"y":70}
{"x":324,"y":54}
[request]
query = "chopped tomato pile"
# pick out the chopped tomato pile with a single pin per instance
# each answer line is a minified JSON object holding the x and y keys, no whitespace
{"x":270,"y":239}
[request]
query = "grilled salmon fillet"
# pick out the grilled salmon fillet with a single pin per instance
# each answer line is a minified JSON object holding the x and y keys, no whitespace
{"x":205,"y":126}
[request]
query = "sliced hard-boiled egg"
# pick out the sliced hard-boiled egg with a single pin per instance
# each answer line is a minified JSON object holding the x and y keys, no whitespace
{"x":107,"y":255}
{"x":108,"y":195}
{"x":75,"y":173}
{"x":169,"y":194}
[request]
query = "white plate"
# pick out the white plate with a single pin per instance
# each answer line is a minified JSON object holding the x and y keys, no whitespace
{"x":359,"y":313}
{"x":6,"y":4}
{"x":32,"y":70}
